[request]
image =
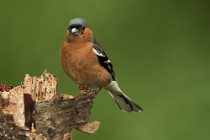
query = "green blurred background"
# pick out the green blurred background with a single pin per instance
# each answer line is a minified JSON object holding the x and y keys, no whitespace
{"x":160,"y":50}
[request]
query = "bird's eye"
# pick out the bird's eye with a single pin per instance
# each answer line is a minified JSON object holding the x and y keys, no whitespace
{"x":83,"y":27}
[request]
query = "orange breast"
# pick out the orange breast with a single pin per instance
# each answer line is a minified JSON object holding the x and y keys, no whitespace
{"x":81,"y":65}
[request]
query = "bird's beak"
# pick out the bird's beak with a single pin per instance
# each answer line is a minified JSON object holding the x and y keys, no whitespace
{"x":74,"y":31}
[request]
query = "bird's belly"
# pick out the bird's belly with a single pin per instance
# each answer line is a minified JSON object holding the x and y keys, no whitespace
{"x":83,"y":69}
{"x":90,"y":75}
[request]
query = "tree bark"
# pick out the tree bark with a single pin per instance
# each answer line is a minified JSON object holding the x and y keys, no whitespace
{"x":35,"y":111}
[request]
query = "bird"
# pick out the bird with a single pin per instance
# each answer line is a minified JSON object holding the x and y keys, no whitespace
{"x":86,"y":63}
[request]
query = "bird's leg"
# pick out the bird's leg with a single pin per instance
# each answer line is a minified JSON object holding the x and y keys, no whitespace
{"x":97,"y":91}
{"x":83,"y":89}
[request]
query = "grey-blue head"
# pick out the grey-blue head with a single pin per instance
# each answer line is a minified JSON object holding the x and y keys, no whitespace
{"x":77,"y":26}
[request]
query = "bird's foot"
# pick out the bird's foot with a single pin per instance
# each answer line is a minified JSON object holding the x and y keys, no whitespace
{"x":83,"y":89}
{"x":86,"y":89}
{"x":95,"y":90}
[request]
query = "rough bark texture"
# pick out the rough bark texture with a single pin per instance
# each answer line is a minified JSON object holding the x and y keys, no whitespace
{"x":35,"y":111}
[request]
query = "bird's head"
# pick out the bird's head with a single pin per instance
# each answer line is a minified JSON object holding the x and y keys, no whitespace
{"x":78,"y":31}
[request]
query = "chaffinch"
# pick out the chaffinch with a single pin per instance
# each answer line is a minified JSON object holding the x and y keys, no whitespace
{"x":85,"y":62}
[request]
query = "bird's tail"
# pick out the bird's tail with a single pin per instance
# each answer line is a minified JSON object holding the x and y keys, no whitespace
{"x":121,"y":99}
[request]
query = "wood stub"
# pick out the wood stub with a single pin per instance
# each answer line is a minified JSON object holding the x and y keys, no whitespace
{"x":34,"y":111}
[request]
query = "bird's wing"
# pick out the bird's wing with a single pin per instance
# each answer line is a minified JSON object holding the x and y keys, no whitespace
{"x":103,"y":59}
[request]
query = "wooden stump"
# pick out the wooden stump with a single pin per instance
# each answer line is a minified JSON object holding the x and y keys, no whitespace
{"x":35,"y":111}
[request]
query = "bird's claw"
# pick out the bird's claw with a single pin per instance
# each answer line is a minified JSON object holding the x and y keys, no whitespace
{"x":83,"y":89}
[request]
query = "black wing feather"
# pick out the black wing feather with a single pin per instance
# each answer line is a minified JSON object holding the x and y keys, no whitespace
{"x":103,"y":59}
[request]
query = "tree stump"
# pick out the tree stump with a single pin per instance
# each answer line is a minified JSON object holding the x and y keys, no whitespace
{"x":34,"y":111}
